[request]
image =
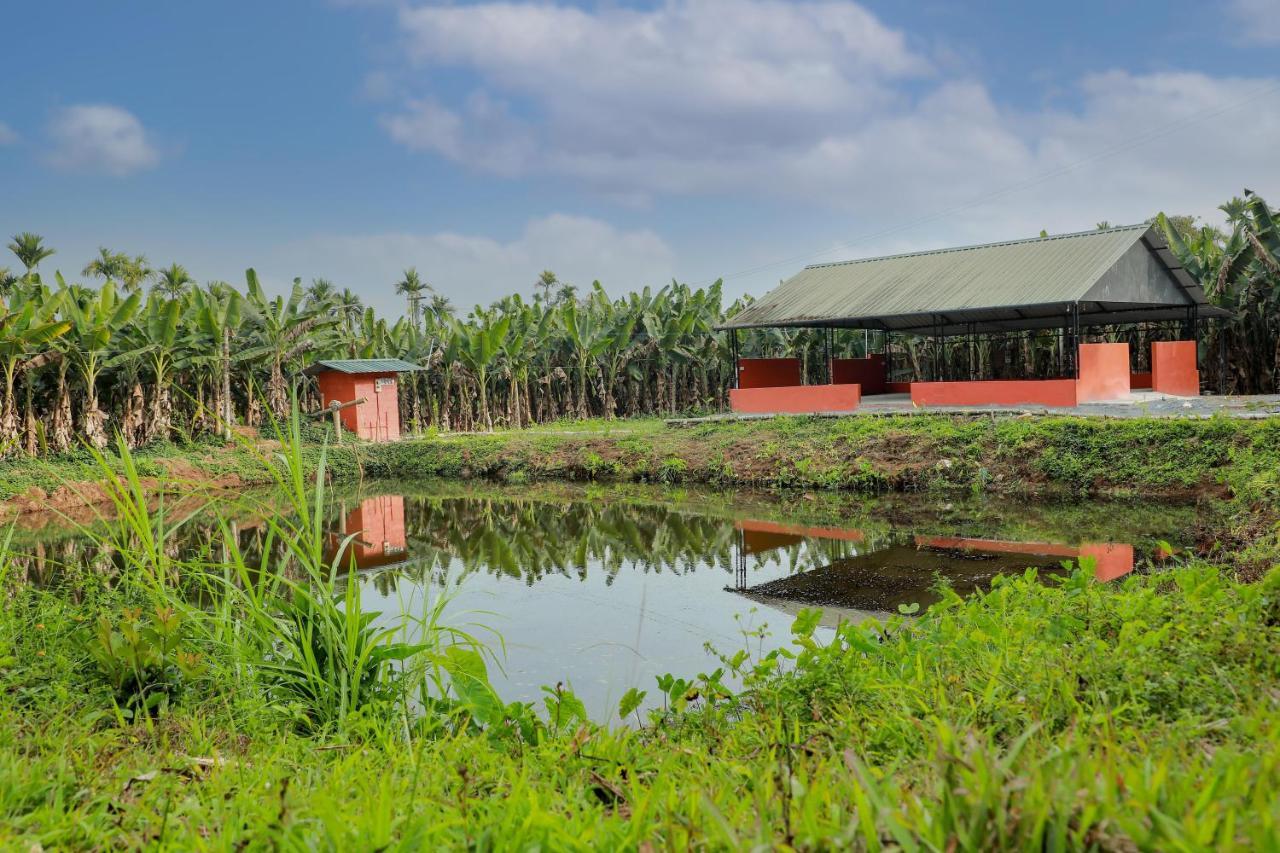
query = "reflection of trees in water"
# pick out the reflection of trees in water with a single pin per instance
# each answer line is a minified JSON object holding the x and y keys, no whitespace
{"x":530,"y":539}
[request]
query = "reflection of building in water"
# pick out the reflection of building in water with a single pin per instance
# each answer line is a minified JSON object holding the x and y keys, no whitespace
{"x":905,"y":573}
{"x":377,"y":528}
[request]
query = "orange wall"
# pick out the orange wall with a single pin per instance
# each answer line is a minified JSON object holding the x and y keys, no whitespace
{"x":768,"y":372}
{"x":1112,"y":559}
{"x":378,"y":417}
{"x":795,"y":399}
{"x":378,"y":526}
{"x":995,"y":392}
{"x":1173,"y":368}
{"x":1104,"y":372}
{"x":868,"y":372}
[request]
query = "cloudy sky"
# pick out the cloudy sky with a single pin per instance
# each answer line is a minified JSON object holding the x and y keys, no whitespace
{"x":626,"y":141}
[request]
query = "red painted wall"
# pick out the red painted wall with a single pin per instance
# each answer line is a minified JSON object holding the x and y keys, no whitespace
{"x":1113,"y":559}
{"x":868,"y":372}
{"x":378,"y":525}
{"x":1104,"y":372}
{"x":995,"y":392}
{"x":897,"y":387}
{"x":1173,"y":368}
{"x":795,"y":399}
{"x":768,"y":372}
{"x":1140,"y":381}
{"x":378,"y":417}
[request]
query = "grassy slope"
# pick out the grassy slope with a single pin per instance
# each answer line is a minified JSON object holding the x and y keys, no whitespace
{"x":1009,"y":455}
{"x":1064,"y":717}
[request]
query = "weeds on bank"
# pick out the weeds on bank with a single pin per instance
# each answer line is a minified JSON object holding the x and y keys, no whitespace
{"x":1064,"y":715}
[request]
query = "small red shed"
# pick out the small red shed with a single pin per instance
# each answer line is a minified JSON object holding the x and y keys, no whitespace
{"x":371,"y":384}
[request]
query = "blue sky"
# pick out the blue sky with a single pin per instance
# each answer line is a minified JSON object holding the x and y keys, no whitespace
{"x":630,"y":142}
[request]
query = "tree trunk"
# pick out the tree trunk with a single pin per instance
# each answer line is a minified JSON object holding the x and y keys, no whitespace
{"x":132,"y":424}
{"x":30,"y":429}
{"x":94,"y":424}
{"x":8,"y":418}
{"x":61,"y":429}
{"x":277,"y":392}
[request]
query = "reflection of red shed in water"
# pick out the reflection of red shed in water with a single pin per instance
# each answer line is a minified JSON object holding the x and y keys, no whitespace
{"x":379,"y":533}
{"x":370,"y":383}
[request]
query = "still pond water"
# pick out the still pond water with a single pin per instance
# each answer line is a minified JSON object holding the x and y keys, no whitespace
{"x":605,"y":588}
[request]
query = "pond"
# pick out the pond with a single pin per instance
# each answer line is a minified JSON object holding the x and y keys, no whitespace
{"x":604,"y":588}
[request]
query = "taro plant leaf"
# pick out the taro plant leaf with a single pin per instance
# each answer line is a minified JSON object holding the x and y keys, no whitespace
{"x":630,"y":702}
{"x":806,"y":622}
{"x":470,"y":679}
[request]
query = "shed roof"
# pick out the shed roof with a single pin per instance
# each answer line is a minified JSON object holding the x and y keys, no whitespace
{"x":362,"y":365}
{"x":1117,"y":275}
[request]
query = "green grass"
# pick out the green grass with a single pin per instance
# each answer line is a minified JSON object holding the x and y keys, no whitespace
{"x":1074,"y":455}
{"x":1063,"y":717}
{"x":208,"y":702}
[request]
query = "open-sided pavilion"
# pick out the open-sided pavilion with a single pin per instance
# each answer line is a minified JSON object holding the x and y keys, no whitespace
{"x":1087,"y":293}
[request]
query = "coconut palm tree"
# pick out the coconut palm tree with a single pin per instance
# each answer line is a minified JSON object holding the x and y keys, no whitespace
{"x":108,"y":265}
{"x":135,"y":272}
{"x":547,"y":281}
{"x":321,"y":292}
{"x":412,"y":287}
{"x":30,"y":251}
{"x":173,"y":281}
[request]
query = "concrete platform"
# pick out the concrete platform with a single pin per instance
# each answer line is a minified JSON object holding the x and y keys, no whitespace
{"x":1140,"y":404}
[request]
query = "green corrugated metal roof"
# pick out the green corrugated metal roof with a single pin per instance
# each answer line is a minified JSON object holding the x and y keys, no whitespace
{"x":362,"y":365}
{"x":1112,"y":272}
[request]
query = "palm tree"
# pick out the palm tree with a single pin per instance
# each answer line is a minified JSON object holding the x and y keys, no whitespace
{"x":7,"y":281}
{"x":321,"y":292}
{"x":173,"y":281}
{"x":350,"y":306}
{"x":441,"y":306}
{"x":30,"y":250}
{"x":411,"y":286}
{"x":108,"y":265}
{"x":135,"y":272}
{"x":547,"y":281}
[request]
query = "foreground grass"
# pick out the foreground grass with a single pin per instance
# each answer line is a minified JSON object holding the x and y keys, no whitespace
{"x":1064,"y":716}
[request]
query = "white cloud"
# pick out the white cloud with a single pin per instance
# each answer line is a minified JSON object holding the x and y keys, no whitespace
{"x":100,"y":138}
{"x":1259,"y":21}
{"x":817,"y":103}
{"x":8,"y":136}
{"x":472,"y":269}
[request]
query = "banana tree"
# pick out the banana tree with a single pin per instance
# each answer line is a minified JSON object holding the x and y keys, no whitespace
{"x":480,"y":344}
{"x":155,"y":339}
{"x":217,"y":319}
{"x":285,"y":329}
{"x":94,"y":323}
{"x":28,"y":323}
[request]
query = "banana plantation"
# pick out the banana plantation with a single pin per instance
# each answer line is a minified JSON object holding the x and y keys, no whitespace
{"x":153,"y":355}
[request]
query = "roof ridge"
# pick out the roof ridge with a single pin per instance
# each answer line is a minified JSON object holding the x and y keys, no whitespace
{"x":1092,"y":233}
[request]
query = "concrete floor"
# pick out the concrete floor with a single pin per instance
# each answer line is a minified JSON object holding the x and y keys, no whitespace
{"x":1140,"y":404}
